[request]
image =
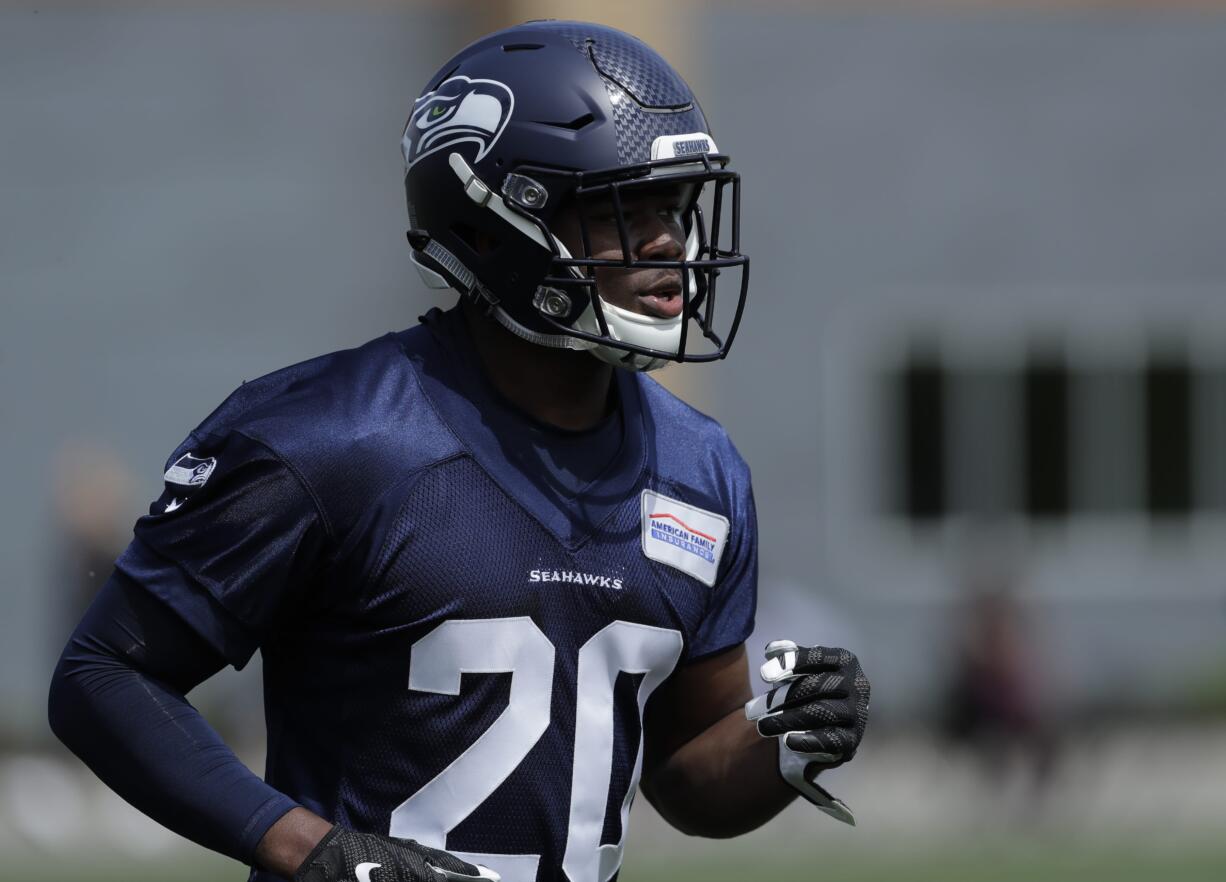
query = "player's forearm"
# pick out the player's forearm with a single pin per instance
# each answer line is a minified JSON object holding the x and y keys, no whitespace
{"x":142,"y":737}
{"x":721,"y":783}
{"x":153,"y":749}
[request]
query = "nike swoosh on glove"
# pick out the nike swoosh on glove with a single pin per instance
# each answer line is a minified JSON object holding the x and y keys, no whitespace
{"x":345,"y":855}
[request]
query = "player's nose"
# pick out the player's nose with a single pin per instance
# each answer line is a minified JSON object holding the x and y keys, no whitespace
{"x":661,"y":241}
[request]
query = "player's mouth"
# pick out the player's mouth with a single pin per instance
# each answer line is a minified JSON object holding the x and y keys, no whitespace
{"x":663,"y":299}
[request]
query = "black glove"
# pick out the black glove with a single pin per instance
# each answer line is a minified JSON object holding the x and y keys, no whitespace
{"x":821,"y":705}
{"x":818,"y":712}
{"x":345,"y":855}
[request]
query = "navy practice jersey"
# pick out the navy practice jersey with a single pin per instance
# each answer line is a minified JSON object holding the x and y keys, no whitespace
{"x":456,"y":649}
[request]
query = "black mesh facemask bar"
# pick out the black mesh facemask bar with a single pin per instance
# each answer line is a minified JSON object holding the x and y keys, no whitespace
{"x":699,"y":274}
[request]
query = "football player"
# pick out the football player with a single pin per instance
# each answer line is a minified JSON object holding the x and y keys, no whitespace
{"x":496,"y":574}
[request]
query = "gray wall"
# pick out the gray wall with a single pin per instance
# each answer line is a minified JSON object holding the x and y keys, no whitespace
{"x":188,"y":199}
{"x":192,"y":198}
{"x":983,"y":180}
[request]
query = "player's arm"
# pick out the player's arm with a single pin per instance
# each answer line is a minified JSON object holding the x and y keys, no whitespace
{"x":706,"y":769}
{"x":232,"y":545}
{"x":118,"y":700}
{"x":718,"y":764}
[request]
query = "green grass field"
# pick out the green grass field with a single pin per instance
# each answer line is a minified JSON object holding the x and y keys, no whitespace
{"x":1033,"y":861}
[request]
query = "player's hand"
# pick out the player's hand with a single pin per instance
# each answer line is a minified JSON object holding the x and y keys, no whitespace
{"x":818,"y":710}
{"x":819,"y":705}
{"x":348,"y":856}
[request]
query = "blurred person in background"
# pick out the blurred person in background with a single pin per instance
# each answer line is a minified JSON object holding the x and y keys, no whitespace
{"x":93,"y":491}
{"x":995,"y":705}
{"x":499,"y":490}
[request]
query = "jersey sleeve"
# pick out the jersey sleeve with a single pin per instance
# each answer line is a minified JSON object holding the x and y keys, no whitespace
{"x":233,"y":541}
{"x":734,"y":598}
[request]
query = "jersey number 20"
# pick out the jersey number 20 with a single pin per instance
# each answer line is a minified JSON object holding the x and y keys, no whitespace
{"x":518,"y":647}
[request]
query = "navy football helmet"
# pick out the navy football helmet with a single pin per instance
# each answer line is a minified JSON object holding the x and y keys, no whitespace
{"x":553,"y":116}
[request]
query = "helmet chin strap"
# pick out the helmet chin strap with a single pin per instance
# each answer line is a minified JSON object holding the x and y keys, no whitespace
{"x":627,"y":326}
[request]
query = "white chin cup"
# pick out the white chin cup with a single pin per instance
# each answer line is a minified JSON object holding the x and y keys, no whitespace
{"x":636,"y":329}
{"x":663,"y":334}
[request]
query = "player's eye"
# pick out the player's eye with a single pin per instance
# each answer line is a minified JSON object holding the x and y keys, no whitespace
{"x":602,"y":213}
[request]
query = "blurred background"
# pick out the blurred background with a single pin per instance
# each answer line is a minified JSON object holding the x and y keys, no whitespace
{"x":981,"y":382}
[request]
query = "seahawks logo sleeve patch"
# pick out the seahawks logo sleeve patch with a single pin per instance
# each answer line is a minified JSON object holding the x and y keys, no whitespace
{"x":683,"y":536}
{"x":190,"y":471}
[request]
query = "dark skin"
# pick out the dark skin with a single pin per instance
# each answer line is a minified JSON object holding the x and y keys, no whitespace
{"x":706,"y":769}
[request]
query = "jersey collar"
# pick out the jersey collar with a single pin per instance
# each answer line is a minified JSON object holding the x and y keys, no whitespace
{"x":452,"y":378}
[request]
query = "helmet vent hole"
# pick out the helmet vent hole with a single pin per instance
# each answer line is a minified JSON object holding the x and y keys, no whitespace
{"x":574,"y":125}
{"x":522,"y":47}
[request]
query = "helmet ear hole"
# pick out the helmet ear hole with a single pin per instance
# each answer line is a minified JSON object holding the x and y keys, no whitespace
{"x":479,"y":242}
{"x":466,"y":234}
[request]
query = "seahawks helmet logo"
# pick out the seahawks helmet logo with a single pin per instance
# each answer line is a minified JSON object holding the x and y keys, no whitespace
{"x":458,"y":111}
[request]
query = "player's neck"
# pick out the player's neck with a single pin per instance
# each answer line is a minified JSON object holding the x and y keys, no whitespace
{"x":560,"y":387}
